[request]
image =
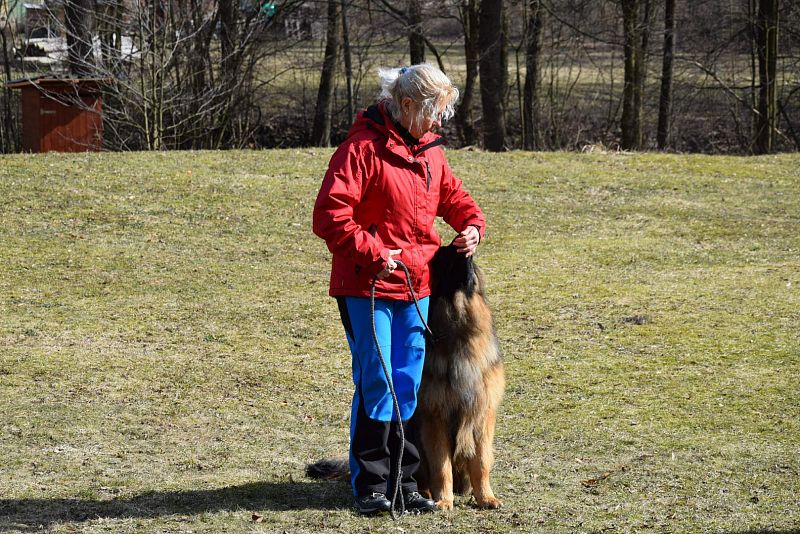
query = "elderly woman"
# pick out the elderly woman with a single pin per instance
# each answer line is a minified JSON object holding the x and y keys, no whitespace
{"x":385,"y":185}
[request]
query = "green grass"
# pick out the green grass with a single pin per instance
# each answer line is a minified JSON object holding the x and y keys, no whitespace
{"x":169,"y":359}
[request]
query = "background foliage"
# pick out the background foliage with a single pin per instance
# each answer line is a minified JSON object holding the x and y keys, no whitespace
{"x":227,"y":74}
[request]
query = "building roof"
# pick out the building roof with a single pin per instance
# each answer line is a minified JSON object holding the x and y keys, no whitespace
{"x":55,"y":81}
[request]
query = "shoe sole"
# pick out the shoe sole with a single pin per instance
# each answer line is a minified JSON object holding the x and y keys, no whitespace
{"x":419,"y":511}
{"x":376,"y":511}
{"x":370,"y":511}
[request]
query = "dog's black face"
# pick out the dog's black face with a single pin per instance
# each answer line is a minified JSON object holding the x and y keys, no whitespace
{"x":451,"y":271}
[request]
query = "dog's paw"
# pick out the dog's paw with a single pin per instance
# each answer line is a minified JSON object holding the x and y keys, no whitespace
{"x":490,"y":503}
{"x":445,"y":504}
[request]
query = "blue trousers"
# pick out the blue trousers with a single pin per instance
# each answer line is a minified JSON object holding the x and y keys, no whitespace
{"x":374,"y":432}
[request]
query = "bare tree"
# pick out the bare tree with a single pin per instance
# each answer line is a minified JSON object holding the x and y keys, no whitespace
{"x":108,"y":17}
{"x":641,"y":64}
{"x":464,"y":116}
{"x":416,"y":41}
{"x":182,"y":75}
{"x":9,"y":135}
{"x":189,"y":73}
{"x":533,"y":49}
{"x":411,"y":21}
{"x":79,"y":21}
{"x":493,"y":74}
{"x":228,"y":38}
{"x":348,"y":62}
{"x":631,"y":94}
{"x":665,"y":101}
{"x":767,"y":48}
{"x":321,"y":134}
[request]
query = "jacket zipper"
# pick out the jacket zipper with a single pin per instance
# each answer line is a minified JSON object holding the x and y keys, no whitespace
{"x":420,"y":150}
{"x":428,"y":168}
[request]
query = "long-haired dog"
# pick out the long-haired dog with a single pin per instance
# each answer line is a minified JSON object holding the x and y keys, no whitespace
{"x":462,"y":385}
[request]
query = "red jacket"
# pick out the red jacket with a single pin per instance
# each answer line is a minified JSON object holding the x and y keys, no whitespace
{"x":378,"y":195}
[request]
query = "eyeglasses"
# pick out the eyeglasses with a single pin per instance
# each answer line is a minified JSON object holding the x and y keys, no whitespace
{"x":437,"y":116}
{"x":434,"y":116}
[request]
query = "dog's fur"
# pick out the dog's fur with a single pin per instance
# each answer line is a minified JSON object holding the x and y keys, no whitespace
{"x":462,"y":385}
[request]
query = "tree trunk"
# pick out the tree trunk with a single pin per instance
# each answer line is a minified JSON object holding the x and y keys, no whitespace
{"x":200,"y":57}
{"x":641,"y":65}
{"x":321,"y":134}
{"x":79,"y":22}
{"x":9,"y":135}
{"x":348,"y":63}
{"x":416,"y":41}
{"x":631,"y":99}
{"x":464,"y":116}
{"x":752,"y":7}
{"x":665,"y":101}
{"x":228,"y":10}
{"x":504,"y":58}
{"x":767,"y":46}
{"x":530,"y":110}
{"x":109,"y":28}
{"x":493,"y":79}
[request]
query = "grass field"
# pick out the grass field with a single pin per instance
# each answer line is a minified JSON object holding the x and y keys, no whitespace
{"x":169,"y":359}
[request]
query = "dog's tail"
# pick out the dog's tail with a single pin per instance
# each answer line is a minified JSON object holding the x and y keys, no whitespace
{"x":329,"y":469}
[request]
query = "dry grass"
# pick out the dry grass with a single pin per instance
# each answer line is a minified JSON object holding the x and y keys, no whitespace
{"x":169,"y":360}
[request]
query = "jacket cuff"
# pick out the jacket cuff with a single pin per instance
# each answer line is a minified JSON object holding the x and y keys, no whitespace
{"x":480,"y":231}
{"x":379,"y":264}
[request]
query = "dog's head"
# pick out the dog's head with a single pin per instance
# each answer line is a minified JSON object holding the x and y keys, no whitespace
{"x":451,"y":272}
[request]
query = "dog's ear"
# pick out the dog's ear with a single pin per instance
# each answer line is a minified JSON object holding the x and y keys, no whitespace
{"x":469,"y":288}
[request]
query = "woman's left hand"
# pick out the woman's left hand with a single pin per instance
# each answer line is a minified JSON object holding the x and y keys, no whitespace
{"x":467,"y":241}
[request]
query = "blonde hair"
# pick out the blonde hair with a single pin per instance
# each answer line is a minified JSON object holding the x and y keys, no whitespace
{"x":424,"y":84}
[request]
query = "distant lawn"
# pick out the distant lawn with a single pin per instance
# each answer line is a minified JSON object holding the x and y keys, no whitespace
{"x":169,"y":359}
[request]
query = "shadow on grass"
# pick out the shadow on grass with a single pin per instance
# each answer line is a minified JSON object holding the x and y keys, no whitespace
{"x":33,"y":514}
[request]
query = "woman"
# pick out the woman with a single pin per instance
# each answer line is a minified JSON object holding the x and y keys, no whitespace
{"x":385,"y":185}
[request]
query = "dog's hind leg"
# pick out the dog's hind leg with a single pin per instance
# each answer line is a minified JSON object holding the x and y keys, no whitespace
{"x":440,"y":468}
{"x":461,"y":482}
{"x":481,"y":464}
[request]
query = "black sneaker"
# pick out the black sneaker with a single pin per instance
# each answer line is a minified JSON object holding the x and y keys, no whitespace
{"x":416,"y":503}
{"x":374,"y":503}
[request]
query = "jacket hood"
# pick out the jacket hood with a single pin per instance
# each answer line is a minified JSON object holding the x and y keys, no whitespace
{"x":377,"y":119}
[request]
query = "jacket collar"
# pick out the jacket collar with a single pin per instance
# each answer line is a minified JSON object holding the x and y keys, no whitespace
{"x":378,"y":118}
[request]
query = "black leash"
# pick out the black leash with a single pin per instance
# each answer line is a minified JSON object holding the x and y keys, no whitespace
{"x":399,"y":475}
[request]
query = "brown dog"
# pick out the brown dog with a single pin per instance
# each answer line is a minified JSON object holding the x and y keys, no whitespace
{"x":462,"y":385}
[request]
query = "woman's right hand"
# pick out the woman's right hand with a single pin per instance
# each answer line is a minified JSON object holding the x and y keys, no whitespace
{"x":391,"y":265}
